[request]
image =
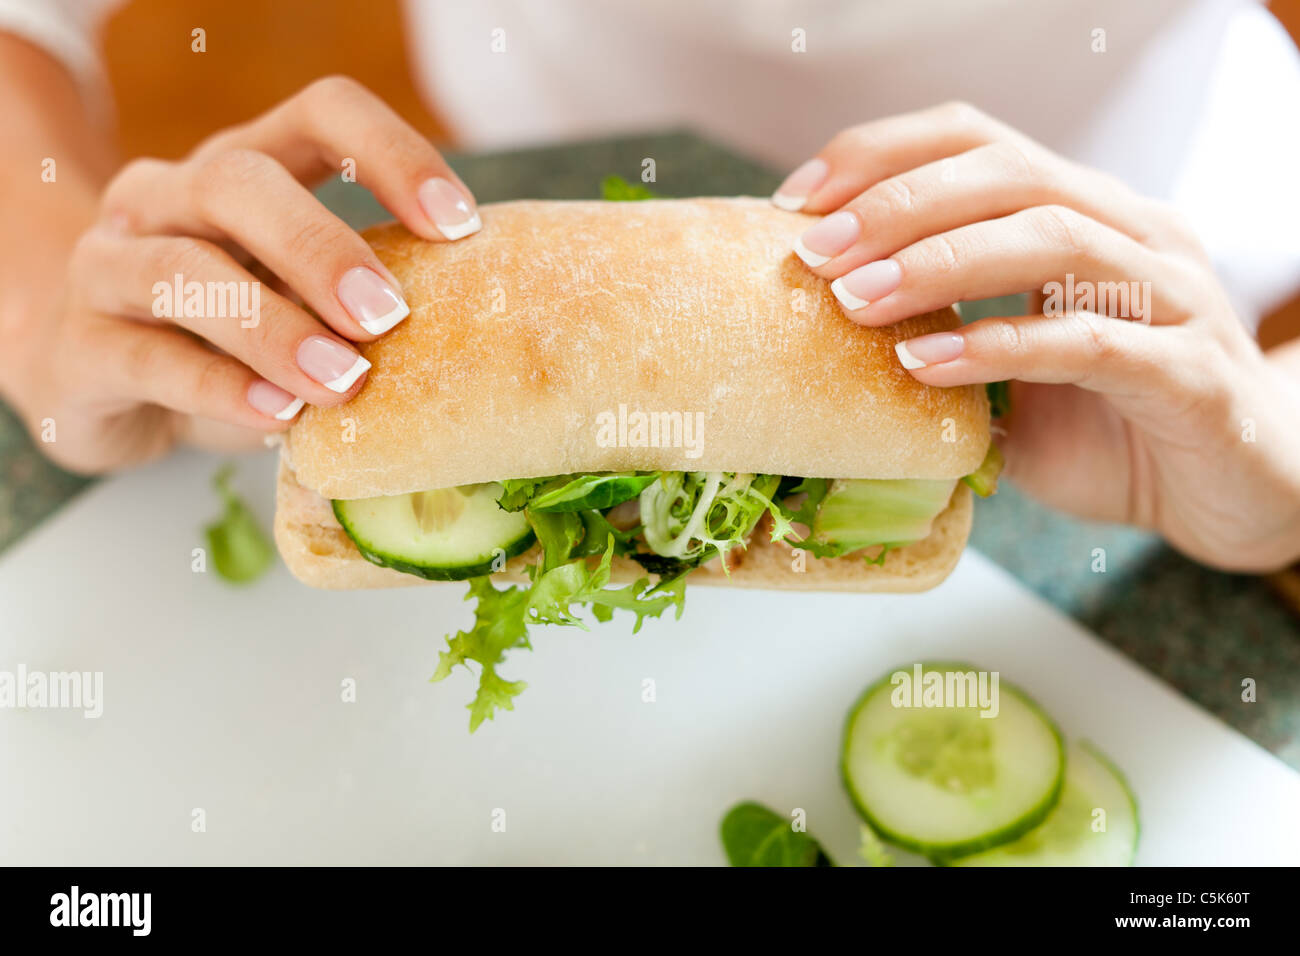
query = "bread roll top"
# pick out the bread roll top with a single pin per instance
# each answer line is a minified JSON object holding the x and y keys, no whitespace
{"x":595,"y":336}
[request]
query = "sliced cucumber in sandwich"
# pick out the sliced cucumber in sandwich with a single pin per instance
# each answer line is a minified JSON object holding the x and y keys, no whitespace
{"x":859,"y":513}
{"x":984,"y":480}
{"x":1094,"y":824}
{"x":944,"y":780}
{"x":446,"y":535}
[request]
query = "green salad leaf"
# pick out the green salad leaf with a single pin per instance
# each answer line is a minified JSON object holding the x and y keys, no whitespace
{"x":564,"y":580}
{"x":694,"y":516}
{"x":558,"y":534}
{"x":598,"y":530}
{"x":517,"y":492}
{"x":240,"y":549}
{"x":686,"y":519}
{"x":593,"y":491}
{"x":984,"y":480}
{"x":814,"y":491}
{"x":753,"y":835}
{"x":999,"y":398}
{"x":554,"y":592}
{"x":618,"y":189}
{"x":500,"y":625}
{"x":872,"y":849}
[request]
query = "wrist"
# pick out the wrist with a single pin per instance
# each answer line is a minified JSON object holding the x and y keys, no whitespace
{"x":34,"y":255}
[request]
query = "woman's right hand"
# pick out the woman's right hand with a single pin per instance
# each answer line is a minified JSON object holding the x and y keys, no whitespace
{"x":120,"y":384}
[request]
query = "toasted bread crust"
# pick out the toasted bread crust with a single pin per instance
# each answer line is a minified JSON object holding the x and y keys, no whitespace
{"x":523,"y":336}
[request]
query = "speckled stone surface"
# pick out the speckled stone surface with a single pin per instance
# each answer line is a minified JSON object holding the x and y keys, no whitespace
{"x":1201,"y":631}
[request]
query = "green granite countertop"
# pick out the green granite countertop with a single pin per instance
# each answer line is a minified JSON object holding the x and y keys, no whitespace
{"x":1199,"y":630}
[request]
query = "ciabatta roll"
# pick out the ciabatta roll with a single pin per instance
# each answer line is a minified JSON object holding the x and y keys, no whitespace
{"x":531,"y":346}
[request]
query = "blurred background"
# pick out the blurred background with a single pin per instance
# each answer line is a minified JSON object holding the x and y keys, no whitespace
{"x":204,"y":94}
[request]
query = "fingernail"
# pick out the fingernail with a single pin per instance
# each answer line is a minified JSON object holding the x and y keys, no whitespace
{"x":335,"y":366}
{"x":799,"y":185}
{"x":866,"y":284}
{"x":826,"y":240}
{"x":450,"y":211}
{"x":930,"y":349}
{"x":273,"y":401}
{"x":371,"y":300}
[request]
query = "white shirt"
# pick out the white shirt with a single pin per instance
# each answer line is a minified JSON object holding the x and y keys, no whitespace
{"x":1192,"y":101}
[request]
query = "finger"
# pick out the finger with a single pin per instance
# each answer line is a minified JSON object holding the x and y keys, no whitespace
{"x":166,"y":367}
{"x":221,"y":302}
{"x":1079,"y":264}
{"x":249,"y":198}
{"x":862,"y":156}
{"x":983,"y":183}
{"x":1119,"y":358}
{"x":335,"y":120}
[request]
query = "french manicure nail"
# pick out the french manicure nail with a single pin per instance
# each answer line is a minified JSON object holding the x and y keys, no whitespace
{"x":826,"y":240}
{"x":799,"y":185}
{"x":450,"y":211}
{"x":371,"y":300}
{"x":335,"y":366}
{"x":929,"y":349}
{"x":273,"y":401}
{"x":866,"y":284}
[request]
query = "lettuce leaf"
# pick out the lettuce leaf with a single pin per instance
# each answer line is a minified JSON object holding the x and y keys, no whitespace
{"x":499,"y":626}
{"x":597,"y":491}
{"x":984,"y":480}
{"x":999,"y":394}
{"x":618,"y":189}
{"x":687,"y":518}
{"x":517,"y":492}
{"x":598,"y":529}
{"x":693,"y":516}
{"x":815,"y":490}
{"x":240,"y":549}
{"x":753,"y":835}
{"x":554,"y":592}
{"x":558,"y":534}
{"x":562,"y":580}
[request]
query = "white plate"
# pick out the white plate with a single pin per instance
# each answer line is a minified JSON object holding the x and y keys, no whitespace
{"x":229,"y":700}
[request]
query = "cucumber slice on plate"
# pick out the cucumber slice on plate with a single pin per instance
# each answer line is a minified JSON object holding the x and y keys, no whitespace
{"x":1075,"y":833}
{"x":945,"y":781}
{"x":446,"y":535}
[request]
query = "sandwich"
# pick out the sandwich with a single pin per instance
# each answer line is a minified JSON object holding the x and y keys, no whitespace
{"x":592,"y":403}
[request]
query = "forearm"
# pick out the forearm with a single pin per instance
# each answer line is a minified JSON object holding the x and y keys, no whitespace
{"x":47,"y":204}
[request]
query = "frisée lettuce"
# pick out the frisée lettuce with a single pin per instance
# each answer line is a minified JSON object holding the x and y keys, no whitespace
{"x":668,"y":522}
{"x":696,"y":516}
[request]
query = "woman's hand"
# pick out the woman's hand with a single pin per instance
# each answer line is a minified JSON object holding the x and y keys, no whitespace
{"x":121,"y":369}
{"x":1151,"y":405}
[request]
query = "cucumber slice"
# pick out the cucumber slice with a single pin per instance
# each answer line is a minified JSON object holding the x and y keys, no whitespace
{"x":945,"y":781}
{"x":984,"y":480}
{"x":446,"y":535}
{"x":859,"y":513}
{"x":1071,"y":834}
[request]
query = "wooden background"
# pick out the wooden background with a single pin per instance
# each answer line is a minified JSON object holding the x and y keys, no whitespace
{"x":258,"y":53}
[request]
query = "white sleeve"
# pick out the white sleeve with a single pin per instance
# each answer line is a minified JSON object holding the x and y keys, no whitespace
{"x":66,"y":29}
{"x":1238,"y":185}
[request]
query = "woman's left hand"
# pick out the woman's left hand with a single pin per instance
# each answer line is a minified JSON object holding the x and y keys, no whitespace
{"x":1153,"y":406}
